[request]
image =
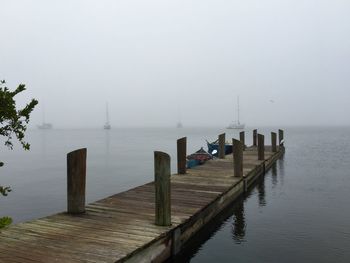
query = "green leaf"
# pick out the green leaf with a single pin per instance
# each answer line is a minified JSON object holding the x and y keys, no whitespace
{"x":13,"y":124}
{"x":5,"y":221}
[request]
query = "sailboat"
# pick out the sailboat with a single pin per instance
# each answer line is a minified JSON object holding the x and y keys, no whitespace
{"x":107,"y":126}
{"x":44,"y":125}
{"x":237,"y":124}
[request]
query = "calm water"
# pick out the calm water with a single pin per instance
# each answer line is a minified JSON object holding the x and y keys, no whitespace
{"x":299,"y":212}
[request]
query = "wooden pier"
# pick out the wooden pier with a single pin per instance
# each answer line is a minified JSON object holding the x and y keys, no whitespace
{"x":124,"y":227}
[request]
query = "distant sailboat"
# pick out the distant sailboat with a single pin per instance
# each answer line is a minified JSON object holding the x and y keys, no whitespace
{"x":179,"y":125}
{"x":237,"y":124}
{"x":107,"y":126}
{"x":44,"y":125}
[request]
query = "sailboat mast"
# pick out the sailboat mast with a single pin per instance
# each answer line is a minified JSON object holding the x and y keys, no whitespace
{"x":43,"y":108}
{"x":238,"y":109}
{"x":107,"y":114}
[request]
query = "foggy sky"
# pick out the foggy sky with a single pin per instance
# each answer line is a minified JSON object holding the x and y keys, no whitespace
{"x":156,"y":62}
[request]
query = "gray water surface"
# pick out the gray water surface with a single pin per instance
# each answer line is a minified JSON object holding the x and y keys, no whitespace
{"x":297,"y":213}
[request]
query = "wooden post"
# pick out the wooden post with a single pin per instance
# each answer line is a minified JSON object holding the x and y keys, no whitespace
{"x":242,"y":139}
{"x":255,"y":135}
{"x":222,"y":146}
{"x":274,"y":141}
{"x":261,"y":147}
{"x":76,"y":181}
{"x":237,"y":147}
{"x":280,"y":137}
{"x":162,"y":188}
{"x":181,"y":155}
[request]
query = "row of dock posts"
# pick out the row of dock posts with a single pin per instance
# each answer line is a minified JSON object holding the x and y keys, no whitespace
{"x":76,"y":172}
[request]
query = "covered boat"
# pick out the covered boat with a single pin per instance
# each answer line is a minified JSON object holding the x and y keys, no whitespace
{"x":198,"y":158}
{"x":213,"y":148}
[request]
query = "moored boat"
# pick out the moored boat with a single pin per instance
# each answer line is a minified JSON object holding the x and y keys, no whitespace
{"x":45,"y":126}
{"x":236,"y":124}
{"x":213,"y":148}
{"x":198,"y":158}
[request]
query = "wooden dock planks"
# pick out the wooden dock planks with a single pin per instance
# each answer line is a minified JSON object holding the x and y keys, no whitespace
{"x":122,"y":226}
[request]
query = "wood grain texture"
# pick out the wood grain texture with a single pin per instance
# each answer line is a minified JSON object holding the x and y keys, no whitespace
{"x":261,"y":147}
{"x":273,"y":142}
{"x":255,"y":137}
{"x":221,"y":152}
{"x":181,"y":155}
{"x":242,"y":139}
{"x":237,"y":147}
{"x":162,"y":188}
{"x":76,"y":181}
{"x":280,"y":137}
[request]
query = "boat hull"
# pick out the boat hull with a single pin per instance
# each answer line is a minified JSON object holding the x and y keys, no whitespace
{"x":215,"y":146}
{"x":45,"y":126}
{"x":236,"y":126}
{"x":198,"y":158}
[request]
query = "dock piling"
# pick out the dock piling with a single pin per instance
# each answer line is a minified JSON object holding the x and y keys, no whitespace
{"x":273,"y":142}
{"x":181,"y":155}
{"x":162,"y":188}
{"x":76,"y":181}
{"x":237,"y":147}
{"x":280,"y":137}
{"x":261,"y":147}
{"x":255,"y":135}
{"x":222,"y":146}
{"x":242,"y":139}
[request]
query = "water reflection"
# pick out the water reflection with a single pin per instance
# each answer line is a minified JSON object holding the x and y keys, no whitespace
{"x":43,"y":143}
{"x":107,"y":142}
{"x":107,"y":147}
{"x":261,"y":191}
{"x":196,"y":243}
{"x":238,"y":224}
{"x":233,"y":217}
{"x":274,"y":175}
{"x":281,"y":168}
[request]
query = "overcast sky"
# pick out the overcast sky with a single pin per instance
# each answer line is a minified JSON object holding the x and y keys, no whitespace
{"x":156,"y":62}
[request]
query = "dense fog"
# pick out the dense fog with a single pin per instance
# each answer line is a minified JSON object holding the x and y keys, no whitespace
{"x":160,"y":62}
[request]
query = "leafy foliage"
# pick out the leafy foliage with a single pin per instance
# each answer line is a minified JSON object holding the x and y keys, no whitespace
{"x":13,"y":123}
{"x":4,"y":190}
{"x":5,"y":221}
